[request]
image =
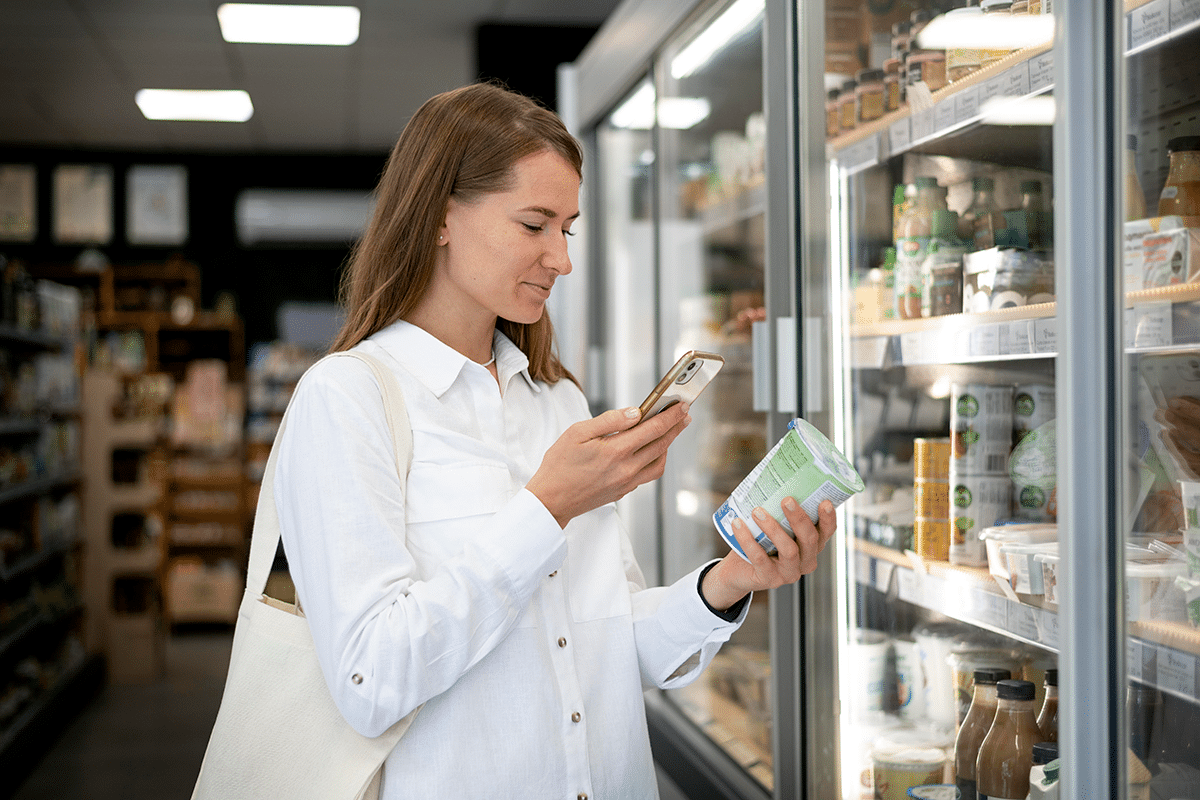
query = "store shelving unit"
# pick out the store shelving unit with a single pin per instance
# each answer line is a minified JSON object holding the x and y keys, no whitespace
{"x":45,"y":670}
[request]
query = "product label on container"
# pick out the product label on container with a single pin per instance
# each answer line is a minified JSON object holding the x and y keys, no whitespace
{"x":981,"y":421}
{"x":977,"y":503}
{"x":1149,"y":22}
{"x":911,"y":252}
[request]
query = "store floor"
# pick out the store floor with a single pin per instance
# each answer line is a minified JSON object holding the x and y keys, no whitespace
{"x":142,"y":742}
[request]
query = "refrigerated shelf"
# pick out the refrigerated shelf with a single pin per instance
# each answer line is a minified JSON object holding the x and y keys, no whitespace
{"x":1157,"y":320}
{"x":1162,"y":654}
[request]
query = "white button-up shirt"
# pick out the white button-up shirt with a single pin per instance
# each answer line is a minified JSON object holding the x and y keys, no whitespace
{"x":529,"y":645}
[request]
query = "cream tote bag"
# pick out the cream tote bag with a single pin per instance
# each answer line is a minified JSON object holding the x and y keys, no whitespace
{"x":278,"y":733}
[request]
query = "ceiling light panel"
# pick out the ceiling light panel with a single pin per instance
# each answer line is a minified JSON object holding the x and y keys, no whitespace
{"x":198,"y":105}
{"x":260,"y":23}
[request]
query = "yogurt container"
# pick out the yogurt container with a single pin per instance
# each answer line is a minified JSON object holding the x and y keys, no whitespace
{"x":935,"y":643}
{"x":1151,"y":593}
{"x":1033,"y":468}
{"x":896,"y":772}
{"x":1033,"y":406}
{"x":804,"y":465}
{"x":976,"y":503}
{"x":998,"y":536}
{"x":981,"y":426}
{"x":910,"y":679}
{"x":1024,"y":573}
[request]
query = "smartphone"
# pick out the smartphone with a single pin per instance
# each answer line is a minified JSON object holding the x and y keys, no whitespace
{"x":683,"y":382}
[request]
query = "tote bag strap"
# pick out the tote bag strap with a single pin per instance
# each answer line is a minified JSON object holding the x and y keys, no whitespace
{"x":264,"y":541}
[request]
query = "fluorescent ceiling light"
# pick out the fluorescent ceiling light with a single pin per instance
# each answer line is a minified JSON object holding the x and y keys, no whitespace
{"x":1037,"y":110}
{"x":203,"y":105}
{"x":281,"y":24}
{"x":995,"y":32}
{"x":679,"y":113}
{"x":724,"y":29}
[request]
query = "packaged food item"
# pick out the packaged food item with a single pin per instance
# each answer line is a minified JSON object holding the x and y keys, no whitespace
{"x":935,"y":791}
{"x":887,"y":294}
{"x":931,"y":499}
{"x":980,"y":221}
{"x":1047,"y":718}
{"x":1002,"y":277}
{"x":1135,"y":198}
{"x":910,"y":678}
{"x":975,"y":725}
{"x":1043,"y":776}
{"x":1033,"y":467}
{"x":1049,"y":562}
{"x":891,"y":85}
{"x":870,"y":654}
{"x":931,"y":459}
{"x":962,"y":61}
{"x":1161,"y":251}
{"x":847,"y":108}
{"x":1006,"y":754}
{"x":964,"y":662}
{"x":897,"y":772}
{"x":914,"y":230}
{"x":931,"y":538}
{"x":1001,"y":8}
{"x":997,"y":537}
{"x":1190,"y":588}
{"x":1151,"y":593}
{"x":1033,"y":406}
{"x":981,"y":423}
{"x":1025,"y":574}
{"x":869,"y":95}
{"x":979,"y":501}
{"x":803,"y":465}
{"x":1181,"y":193}
{"x":942,"y":272}
{"x":1038,"y":220}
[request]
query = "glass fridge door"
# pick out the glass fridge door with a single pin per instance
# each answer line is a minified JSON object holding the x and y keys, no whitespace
{"x":941,"y":262}
{"x":711,"y":289}
{"x":1159,"y":189}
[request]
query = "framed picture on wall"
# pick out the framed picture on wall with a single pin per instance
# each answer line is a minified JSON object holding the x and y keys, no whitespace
{"x":18,"y":203}
{"x":83,"y":204}
{"x":156,"y":205}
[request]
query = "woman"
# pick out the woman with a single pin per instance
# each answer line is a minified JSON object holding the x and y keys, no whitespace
{"x":502,"y":592}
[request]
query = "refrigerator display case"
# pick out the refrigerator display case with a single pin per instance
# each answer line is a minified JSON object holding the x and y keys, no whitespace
{"x":1014,"y":373}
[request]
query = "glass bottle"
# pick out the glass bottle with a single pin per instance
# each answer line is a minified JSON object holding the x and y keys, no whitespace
{"x":975,"y":726}
{"x":1006,"y":754}
{"x":1047,"y":718}
{"x":1135,"y":198}
{"x":1033,"y":203}
{"x":942,"y":272}
{"x":833,"y":123}
{"x":1181,"y":194}
{"x":981,"y":220}
{"x":998,"y":7}
{"x":914,"y":230}
{"x":847,"y":109}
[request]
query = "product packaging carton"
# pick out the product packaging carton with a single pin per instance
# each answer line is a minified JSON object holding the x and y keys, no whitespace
{"x":1161,"y":251}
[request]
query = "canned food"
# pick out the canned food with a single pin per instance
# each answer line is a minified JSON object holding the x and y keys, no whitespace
{"x":931,"y":499}
{"x":931,"y":459}
{"x":931,"y":538}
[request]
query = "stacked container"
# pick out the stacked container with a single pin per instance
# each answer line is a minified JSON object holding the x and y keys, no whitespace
{"x":981,"y":425}
{"x":931,"y":498}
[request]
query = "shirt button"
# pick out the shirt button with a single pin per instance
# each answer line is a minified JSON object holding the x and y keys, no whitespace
{"x":552,"y":574}
{"x":581,"y":796}
{"x":562,"y":642}
{"x":576,"y":717}
{"x":356,"y":679}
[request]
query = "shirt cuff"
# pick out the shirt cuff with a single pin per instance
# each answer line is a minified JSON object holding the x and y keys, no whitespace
{"x":730,"y":614}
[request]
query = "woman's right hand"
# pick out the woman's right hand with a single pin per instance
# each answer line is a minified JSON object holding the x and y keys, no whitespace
{"x":600,"y":460}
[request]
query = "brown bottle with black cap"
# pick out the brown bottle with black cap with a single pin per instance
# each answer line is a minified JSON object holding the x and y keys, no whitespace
{"x":1006,"y":755}
{"x":975,"y":726}
{"x":1047,"y":718}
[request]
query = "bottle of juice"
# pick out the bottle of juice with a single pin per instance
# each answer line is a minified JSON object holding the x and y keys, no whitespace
{"x":914,"y":230}
{"x":975,"y":726}
{"x":1033,"y":203}
{"x":1006,"y":754}
{"x":981,"y":220}
{"x":1135,"y":198}
{"x":942,"y":272}
{"x":1047,"y":718}
{"x":1181,"y":194}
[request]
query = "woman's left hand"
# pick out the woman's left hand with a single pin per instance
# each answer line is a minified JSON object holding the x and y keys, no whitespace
{"x":734,"y":577}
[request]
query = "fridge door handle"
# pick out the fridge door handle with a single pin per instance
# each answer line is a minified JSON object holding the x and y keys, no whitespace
{"x":760,"y":364}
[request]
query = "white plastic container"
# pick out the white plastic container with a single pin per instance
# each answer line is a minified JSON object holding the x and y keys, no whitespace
{"x":1049,"y":562}
{"x":1151,"y":593}
{"x":1028,"y":533}
{"x":1025,"y":574}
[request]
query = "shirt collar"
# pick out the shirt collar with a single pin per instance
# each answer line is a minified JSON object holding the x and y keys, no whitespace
{"x":437,"y":365}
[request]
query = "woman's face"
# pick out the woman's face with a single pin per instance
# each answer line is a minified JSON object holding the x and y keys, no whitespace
{"x":500,"y":254}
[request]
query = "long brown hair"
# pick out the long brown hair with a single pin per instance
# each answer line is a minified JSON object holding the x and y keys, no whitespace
{"x":462,"y":143}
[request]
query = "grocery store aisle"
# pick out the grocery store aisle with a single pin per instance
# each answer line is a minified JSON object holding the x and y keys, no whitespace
{"x":148,"y":741}
{"x":140,"y":741}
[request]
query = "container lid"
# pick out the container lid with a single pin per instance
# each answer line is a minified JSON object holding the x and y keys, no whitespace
{"x":831,"y":461}
{"x":920,"y":15}
{"x":1183,"y":143}
{"x":991,"y":675}
{"x":891,"y":66}
{"x":901,"y":28}
{"x":1166,"y":569}
{"x":1045,"y":752}
{"x":945,"y":224}
{"x":983,"y":184}
{"x":849,"y":85}
{"x":1131,"y":141}
{"x":869,"y":75}
{"x":1015,"y":690}
{"x":934,"y":791}
{"x":1052,"y":677}
{"x":996,"y":5}
{"x":926,"y":182}
{"x":1028,"y":548}
{"x":1046,"y":558}
{"x":1024,"y":533}
{"x":1031,"y":186}
{"x":832,"y":94}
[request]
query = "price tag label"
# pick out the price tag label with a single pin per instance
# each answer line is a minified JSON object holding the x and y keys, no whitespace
{"x":1016,"y":81}
{"x":909,"y":587}
{"x":1048,"y":628}
{"x":966,"y":104}
{"x":1023,"y":622}
{"x":991,"y":88}
{"x":1045,"y":335}
{"x":861,"y":155}
{"x":899,"y":135}
{"x":943,"y":115}
{"x":1177,"y":672}
{"x":1184,"y":12}
{"x":985,"y":341}
{"x":1149,"y":22}
{"x":991,"y":609}
{"x":1041,"y":71}
{"x":1133,"y":658}
{"x":883,"y":575}
{"x":1149,"y":663}
{"x":922,"y":125}
{"x":1014,"y":338}
{"x":1149,"y":325}
{"x":910,"y":348}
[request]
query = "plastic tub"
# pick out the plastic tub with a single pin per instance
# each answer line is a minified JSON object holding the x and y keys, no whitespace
{"x":1025,"y":574}
{"x":1151,"y":593}
{"x":1028,"y":533}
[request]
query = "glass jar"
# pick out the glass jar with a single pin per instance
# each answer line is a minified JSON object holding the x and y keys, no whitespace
{"x":962,"y":61}
{"x":1019,"y":7}
{"x":847,"y":110}
{"x":891,"y":84}
{"x":869,"y":95}
{"x":1001,"y":8}
{"x":832,"y":117}
{"x":1181,"y":194}
{"x":928,"y":66}
{"x":900,"y":37}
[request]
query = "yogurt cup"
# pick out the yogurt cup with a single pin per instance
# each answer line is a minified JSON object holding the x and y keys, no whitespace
{"x":896,"y":772}
{"x":998,"y":536}
{"x":1024,"y":573}
{"x":981,"y":428}
{"x":977,"y":503}
{"x":1151,"y":593}
{"x":803,"y":465}
{"x":935,"y":643}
